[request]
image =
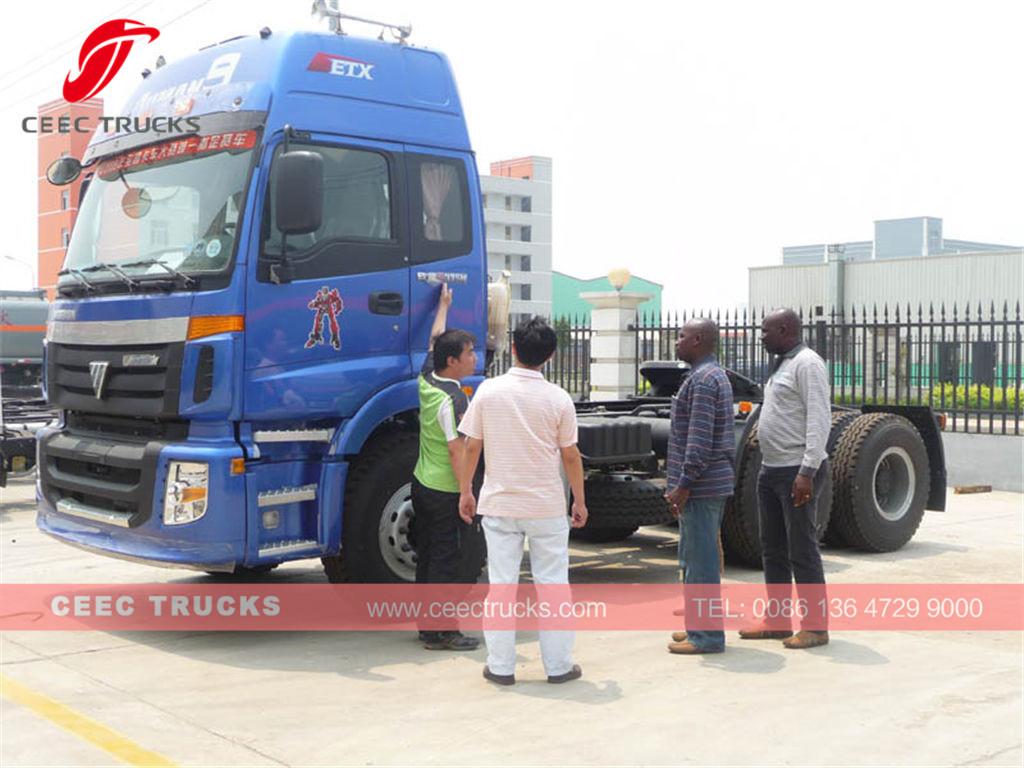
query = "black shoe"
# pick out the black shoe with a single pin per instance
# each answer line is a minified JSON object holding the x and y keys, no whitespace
{"x":573,"y":674}
{"x":452,"y":641}
{"x":499,"y":679}
{"x":427,"y":637}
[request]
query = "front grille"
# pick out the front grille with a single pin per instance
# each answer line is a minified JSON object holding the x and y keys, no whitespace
{"x":127,"y":428}
{"x":140,"y":380}
{"x":109,"y":473}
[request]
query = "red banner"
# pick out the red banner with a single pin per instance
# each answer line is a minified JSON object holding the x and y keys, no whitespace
{"x":189,"y":145}
{"x":366,"y":607}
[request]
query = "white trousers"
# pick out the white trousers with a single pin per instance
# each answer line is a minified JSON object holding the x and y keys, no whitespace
{"x":548,"y":539}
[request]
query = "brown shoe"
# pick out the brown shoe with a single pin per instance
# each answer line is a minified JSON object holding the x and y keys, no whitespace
{"x":678,"y":637}
{"x":689,"y":649}
{"x":759,"y":633}
{"x":805,"y":638}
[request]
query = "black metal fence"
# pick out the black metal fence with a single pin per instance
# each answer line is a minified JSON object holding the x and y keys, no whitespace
{"x":570,"y":367}
{"x":965,"y":362}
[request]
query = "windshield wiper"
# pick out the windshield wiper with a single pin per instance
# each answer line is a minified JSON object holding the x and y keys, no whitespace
{"x":117,"y":272}
{"x":189,"y":281}
{"x":77,"y":274}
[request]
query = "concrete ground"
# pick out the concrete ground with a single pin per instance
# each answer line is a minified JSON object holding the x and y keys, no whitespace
{"x":378,"y":699}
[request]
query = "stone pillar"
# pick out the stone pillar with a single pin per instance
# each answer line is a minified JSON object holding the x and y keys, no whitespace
{"x":613,"y":363}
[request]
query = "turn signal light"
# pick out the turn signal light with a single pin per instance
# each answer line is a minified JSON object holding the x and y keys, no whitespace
{"x":238,"y":466}
{"x":468,"y":391}
{"x":209,"y":325}
{"x":745,"y":407}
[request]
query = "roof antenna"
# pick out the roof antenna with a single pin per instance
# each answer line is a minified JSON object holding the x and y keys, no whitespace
{"x":328,"y":9}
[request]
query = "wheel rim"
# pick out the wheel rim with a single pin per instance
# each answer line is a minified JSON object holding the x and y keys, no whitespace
{"x":393,"y":535}
{"x":894,"y":483}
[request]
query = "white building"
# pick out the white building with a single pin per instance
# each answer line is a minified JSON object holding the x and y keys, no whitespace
{"x":517,"y":214}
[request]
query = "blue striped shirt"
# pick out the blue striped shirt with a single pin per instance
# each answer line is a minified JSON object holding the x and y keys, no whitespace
{"x":701,"y":446}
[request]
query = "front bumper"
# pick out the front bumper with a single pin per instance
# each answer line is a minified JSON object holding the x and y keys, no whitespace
{"x":107,"y":496}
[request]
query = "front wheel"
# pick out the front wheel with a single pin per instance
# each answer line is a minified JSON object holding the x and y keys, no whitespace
{"x":377,"y":545}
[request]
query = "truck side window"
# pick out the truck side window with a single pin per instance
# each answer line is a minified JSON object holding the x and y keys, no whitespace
{"x":360,"y":228}
{"x":439,"y":202}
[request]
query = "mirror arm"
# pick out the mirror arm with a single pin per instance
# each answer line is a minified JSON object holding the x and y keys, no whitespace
{"x":274,"y":275}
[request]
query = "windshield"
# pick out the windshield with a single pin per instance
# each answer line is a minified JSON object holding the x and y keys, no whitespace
{"x":172,"y":208}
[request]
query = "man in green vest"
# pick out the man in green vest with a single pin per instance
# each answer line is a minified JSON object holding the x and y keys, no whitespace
{"x":435,"y":484}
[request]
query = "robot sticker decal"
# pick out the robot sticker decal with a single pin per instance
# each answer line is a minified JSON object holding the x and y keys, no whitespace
{"x":327,"y":305}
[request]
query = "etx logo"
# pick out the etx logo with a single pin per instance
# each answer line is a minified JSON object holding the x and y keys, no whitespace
{"x":102,"y":56}
{"x":342,"y":66}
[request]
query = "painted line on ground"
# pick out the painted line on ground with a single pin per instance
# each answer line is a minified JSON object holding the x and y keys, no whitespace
{"x":83,"y":727}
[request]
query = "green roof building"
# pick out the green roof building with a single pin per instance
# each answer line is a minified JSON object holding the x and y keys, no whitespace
{"x":566,"y":290}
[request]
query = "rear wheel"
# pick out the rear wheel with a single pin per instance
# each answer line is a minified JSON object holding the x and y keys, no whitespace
{"x":840,"y":421}
{"x":618,"y":505}
{"x":376,"y":536}
{"x":881,"y":477}
{"x":741,"y":532}
{"x":741,"y":527}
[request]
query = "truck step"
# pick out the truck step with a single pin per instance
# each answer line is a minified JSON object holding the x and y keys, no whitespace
{"x":89,"y":512}
{"x":286,"y":495}
{"x":290,"y":547}
{"x":292,"y":436}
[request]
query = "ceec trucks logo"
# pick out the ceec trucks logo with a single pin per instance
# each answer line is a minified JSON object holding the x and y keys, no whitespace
{"x":102,"y":56}
{"x":342,"y":66}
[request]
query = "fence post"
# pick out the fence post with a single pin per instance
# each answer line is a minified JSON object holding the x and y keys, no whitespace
{"x":613,"y":347}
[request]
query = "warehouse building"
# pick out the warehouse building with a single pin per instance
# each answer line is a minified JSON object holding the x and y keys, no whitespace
{"x":909,"y":262}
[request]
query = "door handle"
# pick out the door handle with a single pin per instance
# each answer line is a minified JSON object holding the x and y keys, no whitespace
{"x":386,"y":303}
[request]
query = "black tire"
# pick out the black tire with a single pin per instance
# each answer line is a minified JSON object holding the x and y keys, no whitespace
{"x":602,"y":535}
{"x":382,"y":474}
{"x":881,"y":478}
{"x":741,"y":532}
{"x":741,"y":527}
{"x":840,"y":421}
{"x":620,"y":504}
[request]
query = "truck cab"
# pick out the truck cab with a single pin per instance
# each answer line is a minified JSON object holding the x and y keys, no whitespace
{"x":246,"y":303}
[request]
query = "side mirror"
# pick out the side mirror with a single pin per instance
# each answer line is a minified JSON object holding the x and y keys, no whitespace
{"x":63,"y":171}
{"x":298,"y":196}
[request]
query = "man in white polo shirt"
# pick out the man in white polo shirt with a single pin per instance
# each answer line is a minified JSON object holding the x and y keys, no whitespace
{"x":526,"y":428}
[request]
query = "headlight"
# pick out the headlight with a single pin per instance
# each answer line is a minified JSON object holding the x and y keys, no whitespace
{"x":185,"y":499}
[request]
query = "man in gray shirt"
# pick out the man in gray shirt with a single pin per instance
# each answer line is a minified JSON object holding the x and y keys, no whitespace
{"x":793,"y":429}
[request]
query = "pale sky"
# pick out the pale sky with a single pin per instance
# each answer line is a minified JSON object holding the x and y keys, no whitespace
{"x":690,"y":140}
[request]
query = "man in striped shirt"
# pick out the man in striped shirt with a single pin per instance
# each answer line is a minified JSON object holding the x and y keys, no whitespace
{"x":792,"y":429}
{"x":701,"y":452}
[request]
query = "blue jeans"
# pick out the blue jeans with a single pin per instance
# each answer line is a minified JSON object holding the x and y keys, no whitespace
{"x":698,"y":557}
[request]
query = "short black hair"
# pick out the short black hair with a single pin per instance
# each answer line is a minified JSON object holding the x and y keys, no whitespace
{"x":451,"y":344}
{"x":535,"y":341}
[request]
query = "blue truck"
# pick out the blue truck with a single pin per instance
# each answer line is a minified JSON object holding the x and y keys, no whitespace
{"x":246,"y":303}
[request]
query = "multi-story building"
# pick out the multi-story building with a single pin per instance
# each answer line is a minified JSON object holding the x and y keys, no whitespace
{"x":517,"y":214}
{"x":58,"y":206}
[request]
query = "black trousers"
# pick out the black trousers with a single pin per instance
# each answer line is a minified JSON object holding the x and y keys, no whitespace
{"x":436,"y":533}
{"x":789,"y":541}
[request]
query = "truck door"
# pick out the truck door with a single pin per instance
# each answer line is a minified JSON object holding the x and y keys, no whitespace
{"x":446,"y":243}
{"x":323,"y":342}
